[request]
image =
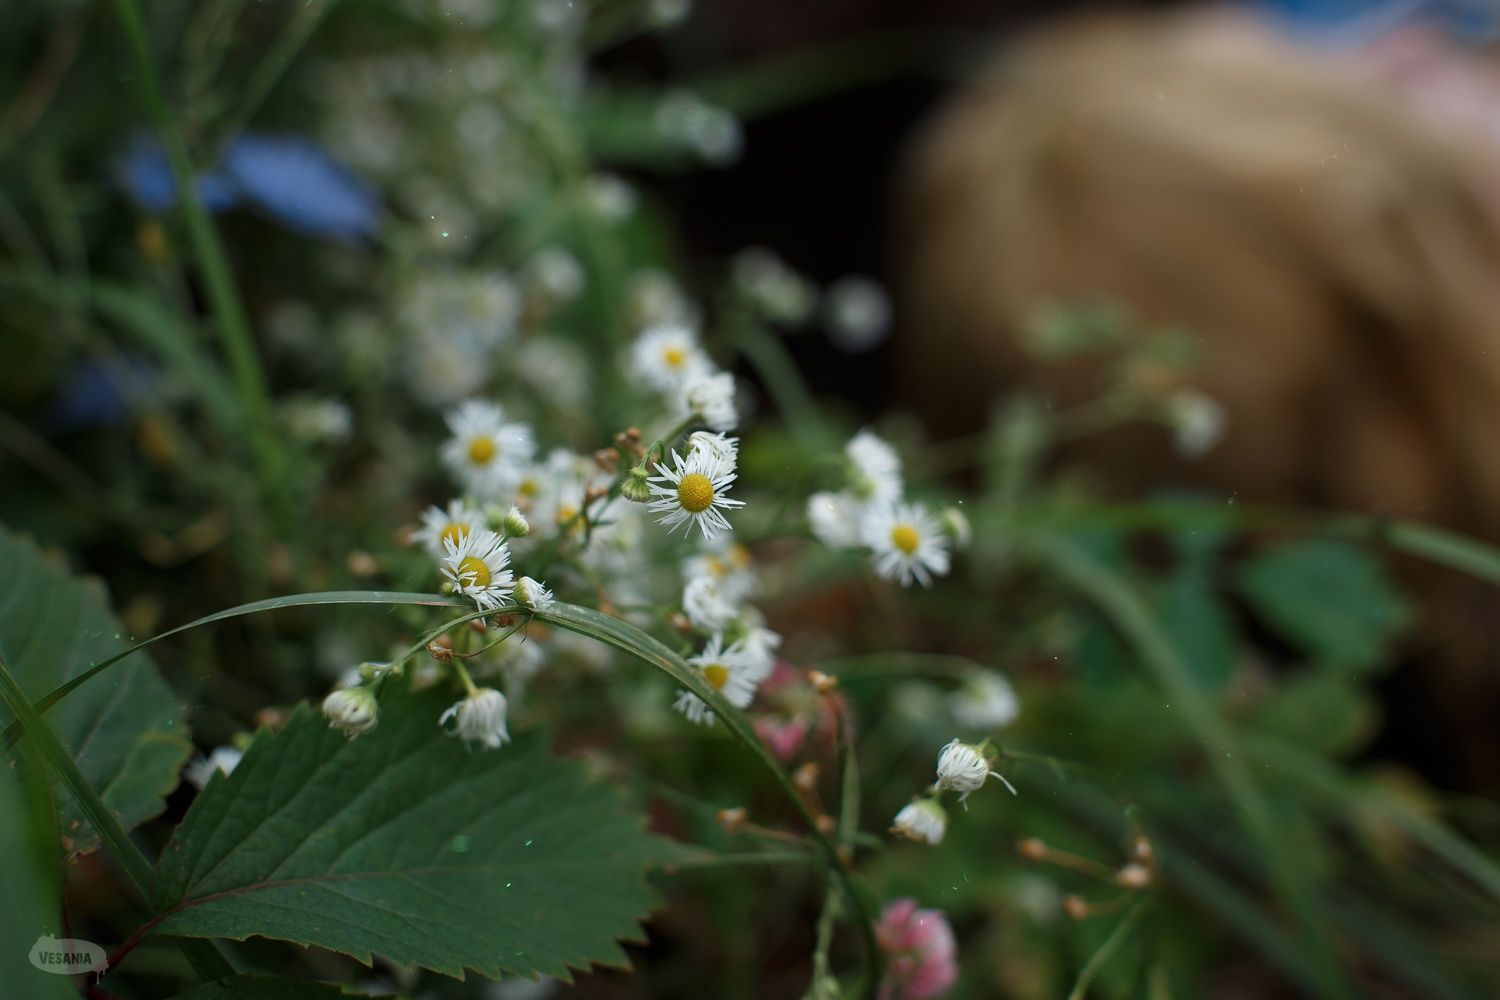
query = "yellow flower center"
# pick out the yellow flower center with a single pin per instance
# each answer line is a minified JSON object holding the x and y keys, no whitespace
{"x":454,"y":532}
{"x":474,"y":571}
{"x":695,"y":493}
{"x":739,"y":556}
{"x":529,"y":488}
{"x":481,"y":450}
{"x":674,"y":357}
{"x":716,"y":674}
{"x":716,"y":567}
{"x":905,"y":538}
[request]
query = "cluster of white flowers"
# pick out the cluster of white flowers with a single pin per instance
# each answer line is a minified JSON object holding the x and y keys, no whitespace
{"x":906,"y":541}
{"x":668,"y":358}
{"x":962,"y":768}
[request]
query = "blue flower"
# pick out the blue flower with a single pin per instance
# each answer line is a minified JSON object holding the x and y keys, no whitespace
{"x":291,"y":179}
{"x":1354,"y":22}
{"x":99,"y":392}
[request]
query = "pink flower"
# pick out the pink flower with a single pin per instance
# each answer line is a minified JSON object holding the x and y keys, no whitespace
{"x":920,"y":954}
{"x":795,"y":712}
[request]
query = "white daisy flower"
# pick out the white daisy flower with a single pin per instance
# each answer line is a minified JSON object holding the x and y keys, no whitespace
{"x":533,"y":594}
{"x":452,"y":523}
{"x":479,"y":718}
{"x":668,"y":356}
{"x":985,"y":701}
{"x":200,"y":769}
{"x":518,"y":659}
{"x":706,"y":605}
{"x":760,"y":645}
{"x":709,"y":396}
{"x":724,"y":451}
{"x":1197,"y":421}
{"x":610,"y":197}
{"x":922,"y":820}
{"x":858,"y":313}
{"x":653,"y":298}
{"x":478,"y":565}
{"x":556,"y":274}
{"x":484,"y":453}
{"x":834,"y":519}
{"x":730,"y":566}
{"x":874,"y":469}
{"x":727,"y":670}
{"x":906,"y":543}
{"x":692,"y":491}
{"x":352,"y":709}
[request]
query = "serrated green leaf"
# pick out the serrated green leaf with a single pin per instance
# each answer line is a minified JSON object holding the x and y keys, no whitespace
{"x":128,"y":735}
{"x":265,"y":988}
{"x":1330,"y":599}
{"x":407,"y":844}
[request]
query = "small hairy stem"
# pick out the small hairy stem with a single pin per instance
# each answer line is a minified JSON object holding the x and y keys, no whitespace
{"x":1106,"y":950}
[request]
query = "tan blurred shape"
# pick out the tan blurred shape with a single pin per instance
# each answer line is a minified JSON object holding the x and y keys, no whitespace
{"x":1331,"y":240}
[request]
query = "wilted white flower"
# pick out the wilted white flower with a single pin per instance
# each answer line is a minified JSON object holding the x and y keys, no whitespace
{"x":858,"y":314}
{"x":668,"y":357}
{"x":479,"y":718}
{"x":723,"y":451}
{"x":962,"y":768}
{"x":451,"y":524}
{"x":922,"y":820}
{"x":484,"y":453}
{"x":874,"y":469}
{"x":533,"y":594}
{"x":985,"y":701}
{"x":478,"y":565}
{"x":692,"y":491}
{"x":710,"y":397}
{"x":1197,"y":421}
{"x":727,"y":670}
{"x":706,"y":605}
{"x":834,"y":519}
{"x":905,"y":542}
{"x":352,"y":709}
{"x":200,"y":769}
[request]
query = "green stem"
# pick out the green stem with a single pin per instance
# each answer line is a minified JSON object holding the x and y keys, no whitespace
{"x":1130,"y":614}
{"x":291,"y":40}
{"x":779,"y":374}
{"x":1106,"y":950}
{"x":233,"y":327}
{"x":204,"y":955}
{"x":628,"y":639}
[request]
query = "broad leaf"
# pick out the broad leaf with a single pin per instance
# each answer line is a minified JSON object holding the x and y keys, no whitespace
{"x":265,"y":988}
{"x":408,"y":844}
{"x":126,"y":731}
{"x":1200,"y":626}
{"x":1330,"y":599}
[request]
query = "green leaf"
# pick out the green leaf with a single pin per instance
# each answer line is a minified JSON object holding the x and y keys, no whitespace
{"x":1320,"y":711}
{"x":1200,"y":626}
{"x":128,"y":737}
{"x":1330,"y":599}
{"x":30,"y":908}
{"x":408,"y":844}
{"x":264,"y":988}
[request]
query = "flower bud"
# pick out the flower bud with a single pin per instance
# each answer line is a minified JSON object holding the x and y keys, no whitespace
{"x":353,"y":709}
{"x":956,"y":524}
{"x":635,"y":488}
{"x":515,"y":523}
{"x":922,"y":820}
